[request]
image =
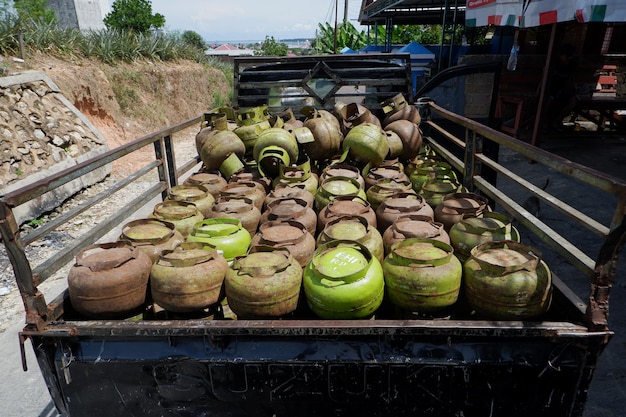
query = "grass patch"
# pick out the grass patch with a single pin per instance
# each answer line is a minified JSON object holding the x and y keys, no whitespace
{"x":34,"y":223}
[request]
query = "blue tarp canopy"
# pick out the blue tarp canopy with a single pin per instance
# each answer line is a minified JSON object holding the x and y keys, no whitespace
{"x":417,"y":51}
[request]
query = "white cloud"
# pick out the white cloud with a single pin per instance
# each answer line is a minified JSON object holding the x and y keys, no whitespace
{"x":246,"y":19}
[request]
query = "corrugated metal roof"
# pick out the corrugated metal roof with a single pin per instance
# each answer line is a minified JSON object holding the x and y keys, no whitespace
{"x":411,"y":12}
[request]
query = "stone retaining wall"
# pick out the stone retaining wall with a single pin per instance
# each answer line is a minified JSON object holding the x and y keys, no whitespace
{"x":41,"y":133}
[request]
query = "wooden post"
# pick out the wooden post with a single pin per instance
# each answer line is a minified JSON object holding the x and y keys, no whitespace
{"x":335,"y":37}
{"x":544,"y":82}
{"x":20,"y":41}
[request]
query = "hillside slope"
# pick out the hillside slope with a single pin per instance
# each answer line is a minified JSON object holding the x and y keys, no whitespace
{"x":129,"y":100}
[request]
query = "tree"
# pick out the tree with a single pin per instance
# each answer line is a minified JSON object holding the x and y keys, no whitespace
{"x":35,"y":10}
{"x":347,"y":36}
{"x":134,"y":16}
{"x":193,"y":39}
{"x":271,"y":47}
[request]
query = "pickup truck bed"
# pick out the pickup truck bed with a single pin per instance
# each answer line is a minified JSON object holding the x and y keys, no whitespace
{"x":389,"y":365}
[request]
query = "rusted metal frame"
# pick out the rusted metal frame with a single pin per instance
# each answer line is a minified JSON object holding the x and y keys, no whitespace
{"x":301,"y":73}
{"x":171,"y":160}
{"x":458,"y":142}
{"x":161,"y":155}
{"x":46,"y":365}
{"x":574,"y":306}
{"x":188,"y":166}
{"x":582,"y":173}
{"x":337,"y":82}
{"x":409,"y":81}
{"x":57,"y":221}
{"x":463,"y":328}
{"x":258,"y":60}
{"x":34,"y":302}
{"x":49,"y":267}
{"x":543,"y":85}
{"x":470,"y":165}
{"x":300,"y":83}
{"x":38,"y":188}
{"x":604,"y":276}
{"x":524,"y":216}
{"x":268,"y":96}
{"x":591,"y":224}
{"x":573,"y":254}
{"x":583,"y":219}
{"x":55,"y":310}
{"x":594,"y":348}
{"x":236,"y":86}
{"x":620,"y":210}
{"x":292,"y":73}
{"x":455,"y":162}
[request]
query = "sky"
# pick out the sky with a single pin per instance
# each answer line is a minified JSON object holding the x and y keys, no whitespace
{"x":235,"y":20}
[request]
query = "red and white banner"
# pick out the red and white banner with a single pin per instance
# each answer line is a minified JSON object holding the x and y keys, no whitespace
{"x":529,"y":13}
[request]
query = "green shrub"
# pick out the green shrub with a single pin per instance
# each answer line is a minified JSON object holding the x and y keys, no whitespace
{"x":109,"y":46}
{"x":133,"y":16}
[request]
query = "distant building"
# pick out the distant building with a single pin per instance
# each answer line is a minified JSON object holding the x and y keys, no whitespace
{"x":227,"y":49}
{"x":80,"y":14}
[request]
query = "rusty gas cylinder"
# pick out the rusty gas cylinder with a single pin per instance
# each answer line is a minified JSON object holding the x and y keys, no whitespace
{"x":326,"y":133}
{"x":366,"y":143}
{"x":384,"y":189}
{"x":291,"y":209}
{"x":152,"y":236}
{"x":287,"y":234}
{"x":397,"y":108}
{"x":183,"y":215}
{"x":290,"y":191}
{"x":247,"y":189}
{"x":213,"y":181}
{"x":394,"y":142}
{"x":275,"y":146}
{"x":422,"y":275}
{"x":251,"y":173}
{"x":342,"y":170}
{"x":413,"y":226}
{"x":470,"y":232}
{"x":455,"y":206}
{"x":429,"y":170}
{"x":109,"y":280}
{"x":334,"y":187}
{"x":218,"y":143}
{"x":354,"y":228}
{"x":401,"y":204}
{"x":435,"y":189}
{"x":263,"y":284}
{"x":410,"y":136}
{"x":188,"y":278}
{"x":354,"y":114}
{"x":298,"y":174}
{"x":422,"y":159}
{"x":381,"y":172}
{"x":240,"y":208}
{"x":346,"y":206}
{"x":195,"y":194}
{"x":507,"y":280}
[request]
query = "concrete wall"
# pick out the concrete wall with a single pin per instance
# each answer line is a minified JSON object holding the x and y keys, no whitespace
{"x":478,"y":87}
{"x":80,"y":14}
{"x":469,"y":96}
